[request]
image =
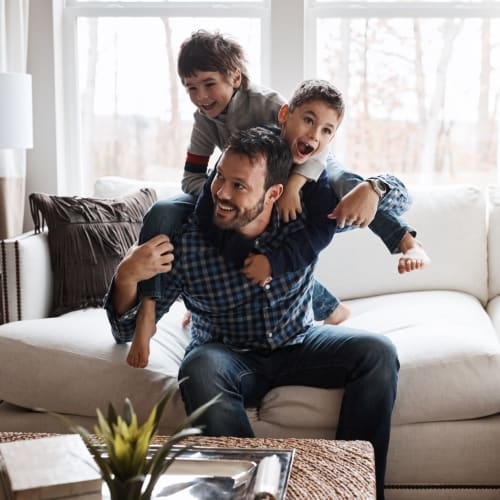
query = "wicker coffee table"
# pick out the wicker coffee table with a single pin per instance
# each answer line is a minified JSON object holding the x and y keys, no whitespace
{"x":322,"y":469}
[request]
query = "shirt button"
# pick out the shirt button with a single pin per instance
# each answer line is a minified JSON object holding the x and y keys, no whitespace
{"x":267,"y":287}
{"x":269,"y":334}
{"x":256,"y":243}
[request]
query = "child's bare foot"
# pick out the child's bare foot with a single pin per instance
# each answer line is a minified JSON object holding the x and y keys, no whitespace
{"x":340,"y":314}
{"x":414,"y":256}
{"x":186,"y":319}
{"x":145,"y":328}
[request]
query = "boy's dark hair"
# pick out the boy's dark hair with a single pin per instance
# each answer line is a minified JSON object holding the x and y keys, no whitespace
{"x":318,"y":90}
{"x":206,"y":51}
{"x":259,"y":141}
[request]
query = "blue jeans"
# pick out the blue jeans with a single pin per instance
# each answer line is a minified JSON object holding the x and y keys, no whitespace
{"x":365,"y":365}
{"x":323,"y":303}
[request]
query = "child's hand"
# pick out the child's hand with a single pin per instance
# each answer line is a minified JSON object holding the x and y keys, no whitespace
{"x":356,"y":208}
{"x":290,"y":203}
{"x":257,"y":269}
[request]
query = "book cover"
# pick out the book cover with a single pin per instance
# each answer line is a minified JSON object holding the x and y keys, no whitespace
{"x":55,"y":467}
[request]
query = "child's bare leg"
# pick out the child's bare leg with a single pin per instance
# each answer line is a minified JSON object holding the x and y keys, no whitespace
{"x":145,"y":328}
{"x":186,"y":319}
{"x":414,"y":256}
{"x":341,"y":313}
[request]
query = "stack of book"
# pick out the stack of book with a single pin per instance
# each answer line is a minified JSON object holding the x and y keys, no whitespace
{"x":48,"y":468}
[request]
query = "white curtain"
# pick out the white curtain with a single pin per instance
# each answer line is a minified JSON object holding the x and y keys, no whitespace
{"x":13,"y":58}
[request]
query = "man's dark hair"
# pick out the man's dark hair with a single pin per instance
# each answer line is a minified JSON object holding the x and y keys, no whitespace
{"x":260,"y":142}
{"x":206,"y":51}
{"x":318,"y":90}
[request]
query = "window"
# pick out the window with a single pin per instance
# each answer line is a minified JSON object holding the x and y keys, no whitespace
{"x":133,"y":116}
{"x":422,"y":86}
{"x":421,"y":81}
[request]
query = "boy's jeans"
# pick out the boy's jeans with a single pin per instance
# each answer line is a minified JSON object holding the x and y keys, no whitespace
{"x":330,"y":357}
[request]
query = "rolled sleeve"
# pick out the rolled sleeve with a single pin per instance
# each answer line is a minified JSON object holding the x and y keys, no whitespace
{"x":122,"y":325}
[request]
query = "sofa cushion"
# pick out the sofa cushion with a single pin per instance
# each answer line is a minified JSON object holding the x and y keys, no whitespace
{"x":70,"y":364}
{"x":111,"y":186}
{"x":449,"y":354}
{"x":450,"y":223}
{"x":87,"y":239}
{"x":494,"y":241}
{"x":493,"y":309}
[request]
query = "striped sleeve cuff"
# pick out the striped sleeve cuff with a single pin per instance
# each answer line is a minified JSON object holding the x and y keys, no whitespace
{"x":196,"y":164}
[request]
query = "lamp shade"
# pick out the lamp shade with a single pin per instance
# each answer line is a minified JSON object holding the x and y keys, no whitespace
{"x":16,"y":111}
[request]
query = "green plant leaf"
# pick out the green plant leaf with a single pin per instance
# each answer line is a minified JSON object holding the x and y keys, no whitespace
{"x":105,"y":431}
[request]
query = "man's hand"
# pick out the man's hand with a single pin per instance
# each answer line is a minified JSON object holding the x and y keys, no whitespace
{"x":289,"y":202}
{"x":257,"y":269}
{"x":147,"y":260}
{"x":356,"y":208}
{"x":141,"y":263}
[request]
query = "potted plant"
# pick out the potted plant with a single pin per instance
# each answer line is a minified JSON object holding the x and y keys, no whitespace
{"x":120,"y":447}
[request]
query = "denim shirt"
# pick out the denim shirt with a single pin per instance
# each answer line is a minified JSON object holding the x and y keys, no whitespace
{"x":226,"y":306}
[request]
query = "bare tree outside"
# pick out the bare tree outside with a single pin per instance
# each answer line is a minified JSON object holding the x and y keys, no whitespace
{"x":416,"y":105}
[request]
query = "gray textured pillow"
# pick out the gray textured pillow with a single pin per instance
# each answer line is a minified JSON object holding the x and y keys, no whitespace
{"x":87,"y":239}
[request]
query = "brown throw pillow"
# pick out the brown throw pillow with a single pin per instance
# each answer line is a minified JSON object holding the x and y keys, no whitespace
{"x":87,"y":239}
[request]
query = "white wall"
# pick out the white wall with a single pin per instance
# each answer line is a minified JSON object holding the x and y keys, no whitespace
{"x":43,"y":159}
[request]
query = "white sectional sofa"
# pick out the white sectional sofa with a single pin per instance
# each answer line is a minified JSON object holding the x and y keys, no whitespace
{"x":444,"y":320}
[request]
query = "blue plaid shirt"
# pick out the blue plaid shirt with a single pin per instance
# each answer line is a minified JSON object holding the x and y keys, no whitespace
{"x":225,"y":306}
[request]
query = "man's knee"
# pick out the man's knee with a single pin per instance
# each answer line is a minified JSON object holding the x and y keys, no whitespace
{"x":384,"y":356}
{"x":206,"y":364}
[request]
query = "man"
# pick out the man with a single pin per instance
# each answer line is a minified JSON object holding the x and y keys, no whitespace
{"x":247,"y":339}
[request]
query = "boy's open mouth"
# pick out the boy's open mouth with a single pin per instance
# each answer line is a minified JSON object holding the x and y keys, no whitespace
{"x":304,"y":148}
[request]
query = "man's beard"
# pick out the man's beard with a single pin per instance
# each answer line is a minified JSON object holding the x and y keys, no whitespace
{"x":241,"y":218}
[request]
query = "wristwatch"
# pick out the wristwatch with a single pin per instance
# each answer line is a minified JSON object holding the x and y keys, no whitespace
{"x":379,"y":186}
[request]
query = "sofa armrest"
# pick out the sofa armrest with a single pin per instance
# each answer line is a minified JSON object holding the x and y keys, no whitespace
{"x":25,"y":277}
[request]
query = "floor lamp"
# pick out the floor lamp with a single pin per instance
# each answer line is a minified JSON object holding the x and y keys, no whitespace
{"x":16,"y":133}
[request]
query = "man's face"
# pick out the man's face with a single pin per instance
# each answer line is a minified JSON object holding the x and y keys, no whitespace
{"x":211,"y":91}
{"x":308,"y":129}
{"x":238,"y":192}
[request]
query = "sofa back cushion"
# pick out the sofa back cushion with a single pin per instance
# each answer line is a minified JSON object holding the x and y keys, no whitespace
{"x":87,"y":239}
{"x":450,"y":222}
